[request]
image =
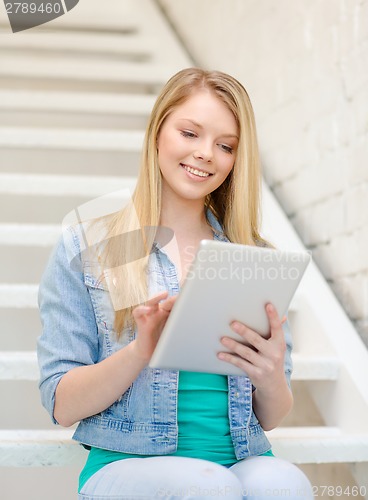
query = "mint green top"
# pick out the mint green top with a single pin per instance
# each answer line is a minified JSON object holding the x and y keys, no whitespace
{"x":204,"y":430}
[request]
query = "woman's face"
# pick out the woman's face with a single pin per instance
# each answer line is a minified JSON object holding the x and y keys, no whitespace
{"x":197,"y":147}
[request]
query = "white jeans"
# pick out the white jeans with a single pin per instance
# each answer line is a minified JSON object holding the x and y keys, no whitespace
{"x":255,"y":478}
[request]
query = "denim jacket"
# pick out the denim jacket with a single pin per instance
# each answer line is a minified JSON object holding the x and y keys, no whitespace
{"x":78,"y":316}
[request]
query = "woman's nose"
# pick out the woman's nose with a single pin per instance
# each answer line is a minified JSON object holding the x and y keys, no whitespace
{"x":204,"y":155}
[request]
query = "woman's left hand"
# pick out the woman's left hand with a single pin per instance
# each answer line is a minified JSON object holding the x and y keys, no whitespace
{"x":261,"y":359}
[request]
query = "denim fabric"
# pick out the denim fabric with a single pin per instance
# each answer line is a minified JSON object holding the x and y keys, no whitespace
{"x":169,"y":478}
{"x":162,"y":478}
{"x":78,"y":316}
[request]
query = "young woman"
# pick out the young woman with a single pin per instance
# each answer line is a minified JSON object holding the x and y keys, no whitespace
{"x":157,"y":433}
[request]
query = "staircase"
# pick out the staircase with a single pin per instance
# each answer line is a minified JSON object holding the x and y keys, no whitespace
{"x":74,"y":99}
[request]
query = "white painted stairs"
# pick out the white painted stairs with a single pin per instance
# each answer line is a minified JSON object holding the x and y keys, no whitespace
{"x":74,"y":98}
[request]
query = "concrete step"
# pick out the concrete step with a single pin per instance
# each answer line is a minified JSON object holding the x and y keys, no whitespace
{"x":22,"y":365}
{"x":96,"y":140}
{"x":81,"y":110}
{"x":18,"y":366}
{"x":45,"y":210}
{"x":32,"y":210}
{"x":122,"y":18}
{"x":300,"y":445}
{"x":21,"y":244}
{"x":30,"y":200}
{"x":19,"y":328}
{"x":21,"y":406}
{"x":23,"y":264}
{"x":110,"y":46}
{"x":18,"y":296}
{"x":29,"y":235}
{"x":315,"y":367}
{"x":71,"y":151}
{"x":17,"y":71}
{"x":118,"y":17}
{"x":25,"y":448}
{"x":43,"y":185}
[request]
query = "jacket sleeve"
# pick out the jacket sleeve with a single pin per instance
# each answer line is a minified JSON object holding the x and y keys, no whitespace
{"x":69,"y":332}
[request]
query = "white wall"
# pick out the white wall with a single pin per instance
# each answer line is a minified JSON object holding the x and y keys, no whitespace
{"x":305,"y":65}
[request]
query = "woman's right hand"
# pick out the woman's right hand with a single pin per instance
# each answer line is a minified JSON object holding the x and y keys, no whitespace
{"x":150,"y":319}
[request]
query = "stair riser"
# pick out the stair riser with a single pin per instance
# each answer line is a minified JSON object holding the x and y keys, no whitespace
{"x":91,"y":55}
{"x":74,"y":119}
{"x":67,"y":84}
{"x":19,"y":329}
{"x":21,"y":407}
{"x":74,"y":43}
{"x":38,"y":210}
{"x":22,"y":264}
{"x":73,"y":162}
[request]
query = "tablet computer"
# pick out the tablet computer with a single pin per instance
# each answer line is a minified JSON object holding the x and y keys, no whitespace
{"x":225,"y":282}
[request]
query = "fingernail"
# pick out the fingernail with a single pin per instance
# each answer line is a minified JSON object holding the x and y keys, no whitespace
{"x":235,"y":325}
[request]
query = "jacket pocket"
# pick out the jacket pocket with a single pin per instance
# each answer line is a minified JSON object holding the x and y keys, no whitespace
{"x":105,"y":315}
{"x":101,"y":302}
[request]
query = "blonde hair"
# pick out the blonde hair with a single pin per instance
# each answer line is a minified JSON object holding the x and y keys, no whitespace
{"x":236,"y":203}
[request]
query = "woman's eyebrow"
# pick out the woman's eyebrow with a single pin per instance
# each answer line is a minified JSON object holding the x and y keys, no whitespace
{"x":196,"y":124}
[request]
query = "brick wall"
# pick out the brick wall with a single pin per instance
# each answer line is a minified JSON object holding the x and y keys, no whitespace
{"x":305,"y":65}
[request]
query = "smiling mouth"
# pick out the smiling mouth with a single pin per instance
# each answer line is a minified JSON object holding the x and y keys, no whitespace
{"x":195,"y":171}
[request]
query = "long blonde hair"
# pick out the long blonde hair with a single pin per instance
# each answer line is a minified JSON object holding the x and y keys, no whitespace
{"x":236,"y":203}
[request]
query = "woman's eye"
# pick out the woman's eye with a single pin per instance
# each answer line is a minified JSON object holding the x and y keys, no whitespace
{"x":227,"y":149}
{"x":187,"y":133}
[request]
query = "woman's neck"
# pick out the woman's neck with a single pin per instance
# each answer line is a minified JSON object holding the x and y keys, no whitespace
{"x":184,"y":217}
{"x":187,"y":219}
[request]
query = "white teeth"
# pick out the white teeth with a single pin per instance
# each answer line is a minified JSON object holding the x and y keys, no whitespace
{"x":196,"y":172}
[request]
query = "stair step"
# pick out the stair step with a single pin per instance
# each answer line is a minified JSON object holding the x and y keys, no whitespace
{"x":76,"y":73}
{"x":75,"y":101}
{"x":92,"y":17}
{"x":71,"y":151}
{"x":22,"y":365}
{"x":63,"y":185}
{"x":300,"y":445}
{"x":52,"y":210}
{"x":24,"y":325}
{"x":24,"y":264}
{"x":27,"y":448}
{"x":128,"y":18}
{"x":18,"y":296}
{"x":82,"y":110}
{"x":125,"y":46}
{"x":40,"y":199}
{"x":74,"y":139}
{"x":315,"y":367}
{"x":38,"y":235}
{"x":303,"y":445}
